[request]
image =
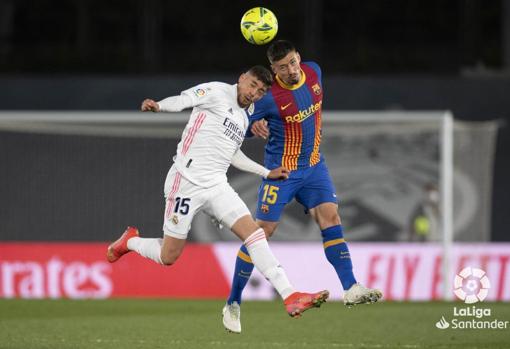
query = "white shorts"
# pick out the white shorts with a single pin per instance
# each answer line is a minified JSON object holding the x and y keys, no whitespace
{"x":185,"y":199}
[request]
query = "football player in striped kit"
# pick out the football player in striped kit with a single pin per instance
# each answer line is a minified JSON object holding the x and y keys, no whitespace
{"x":197,"y":181}
{"x":290,"y":115}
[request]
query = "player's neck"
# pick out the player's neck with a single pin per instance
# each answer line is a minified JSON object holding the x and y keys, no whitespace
{"x":284,"y":85}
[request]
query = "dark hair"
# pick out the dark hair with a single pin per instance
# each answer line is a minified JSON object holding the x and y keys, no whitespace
{"x":279,"y":49}
{"x":262,"y":73}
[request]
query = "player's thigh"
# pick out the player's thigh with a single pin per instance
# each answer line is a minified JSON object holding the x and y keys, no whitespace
{"x":273,"y":195}
{"x":317,"y":189}
{"x":182,"y":202}
{"x":225,"y":205}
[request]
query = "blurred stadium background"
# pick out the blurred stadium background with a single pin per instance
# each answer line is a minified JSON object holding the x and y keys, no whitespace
{"x":78,"y":163}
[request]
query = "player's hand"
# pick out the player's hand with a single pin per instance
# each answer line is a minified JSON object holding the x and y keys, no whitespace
{"x":259,"y":128}
{"x":150,"y":105}
{"x":279,"y":173}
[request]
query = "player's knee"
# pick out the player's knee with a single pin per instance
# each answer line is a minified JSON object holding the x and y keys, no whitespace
{"x":333,"y":218}
{"x":328,"y":218}
{"x":326,"y":215}
{"x":269,"y":229}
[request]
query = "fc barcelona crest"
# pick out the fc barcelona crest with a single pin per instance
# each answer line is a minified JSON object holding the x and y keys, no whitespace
{"x":316,"y":89}
{"x":264,"y":208}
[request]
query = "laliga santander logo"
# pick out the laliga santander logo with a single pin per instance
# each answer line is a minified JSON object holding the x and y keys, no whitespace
{"x":471,"y":285}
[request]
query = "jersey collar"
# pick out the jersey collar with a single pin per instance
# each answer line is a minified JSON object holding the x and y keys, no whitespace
{"x":292,"y":87}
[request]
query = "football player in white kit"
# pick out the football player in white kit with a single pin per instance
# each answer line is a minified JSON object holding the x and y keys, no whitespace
{"x":197,"y":181}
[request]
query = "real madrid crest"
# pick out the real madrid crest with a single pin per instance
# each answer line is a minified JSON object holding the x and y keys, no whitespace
{"x":316,"y":89}
{"x":175,"y":219}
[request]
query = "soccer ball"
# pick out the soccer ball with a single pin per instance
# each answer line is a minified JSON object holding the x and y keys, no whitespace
{"x":259,"y":26}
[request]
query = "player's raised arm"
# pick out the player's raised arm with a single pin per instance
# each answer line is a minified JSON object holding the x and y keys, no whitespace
{"x":170,"y":104}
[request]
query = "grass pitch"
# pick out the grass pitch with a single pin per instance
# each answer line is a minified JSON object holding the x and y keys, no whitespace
{"x":126,"y":324}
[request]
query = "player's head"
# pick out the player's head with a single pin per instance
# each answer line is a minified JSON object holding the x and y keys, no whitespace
{"x":285,"y":61}
{"x":253,"y":85}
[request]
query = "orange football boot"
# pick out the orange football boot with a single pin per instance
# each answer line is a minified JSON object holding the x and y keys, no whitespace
{"x":119,"y":248}
{"x":298,"y":302}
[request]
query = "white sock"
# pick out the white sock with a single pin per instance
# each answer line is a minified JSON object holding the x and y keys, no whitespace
{"x":148,"y":248}
{"x":267,"y":264}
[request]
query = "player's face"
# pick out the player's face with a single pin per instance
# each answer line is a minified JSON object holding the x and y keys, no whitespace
{"x":249,"y":90}
{"x":288,"y":69}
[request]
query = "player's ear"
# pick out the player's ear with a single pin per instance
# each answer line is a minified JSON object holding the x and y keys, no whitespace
{"x":242,"y":77}
{"x":273,"y":69}
{"x":298,"y":57}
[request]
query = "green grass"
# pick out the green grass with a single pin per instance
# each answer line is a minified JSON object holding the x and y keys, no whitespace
{"x":126,"y":324}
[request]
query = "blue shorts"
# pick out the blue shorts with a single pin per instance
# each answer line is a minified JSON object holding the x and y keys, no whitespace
{"x":311,"y":187}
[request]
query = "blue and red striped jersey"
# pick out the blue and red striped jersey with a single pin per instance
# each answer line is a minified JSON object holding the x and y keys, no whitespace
{"x":293,"y":114}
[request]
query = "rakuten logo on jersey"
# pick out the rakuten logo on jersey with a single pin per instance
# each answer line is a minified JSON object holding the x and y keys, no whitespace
{"x":55,"y":279}
{"x":304,"y":114}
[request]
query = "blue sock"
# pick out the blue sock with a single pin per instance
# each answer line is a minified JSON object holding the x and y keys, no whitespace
{"x":337,"y":253}
{"x":242,"y":273}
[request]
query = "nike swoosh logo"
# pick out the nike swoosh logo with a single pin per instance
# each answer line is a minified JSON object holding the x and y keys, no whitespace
{"x":283,"y":107}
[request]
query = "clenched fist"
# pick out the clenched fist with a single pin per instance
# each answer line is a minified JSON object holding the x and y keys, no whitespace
{"x":150,"y":105}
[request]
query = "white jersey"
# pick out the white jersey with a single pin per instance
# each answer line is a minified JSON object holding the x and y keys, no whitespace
{"x":213,"y":134}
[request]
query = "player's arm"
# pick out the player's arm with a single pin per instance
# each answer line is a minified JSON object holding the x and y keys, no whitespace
{"x":198,"y":95}
{"x":170,"y":104}
{"x":244,"y":163}
{"x":315,"y":67}
{"x":259,"y":128}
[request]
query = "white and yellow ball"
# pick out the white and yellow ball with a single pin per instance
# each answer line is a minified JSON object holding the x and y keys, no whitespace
{"x":259,"y":25}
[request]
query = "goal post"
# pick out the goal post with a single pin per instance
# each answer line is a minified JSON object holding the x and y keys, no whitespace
{"x":446,"y":185}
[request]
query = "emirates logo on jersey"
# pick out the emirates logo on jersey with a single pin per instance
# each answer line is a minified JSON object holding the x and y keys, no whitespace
{"x":233,"y":131}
